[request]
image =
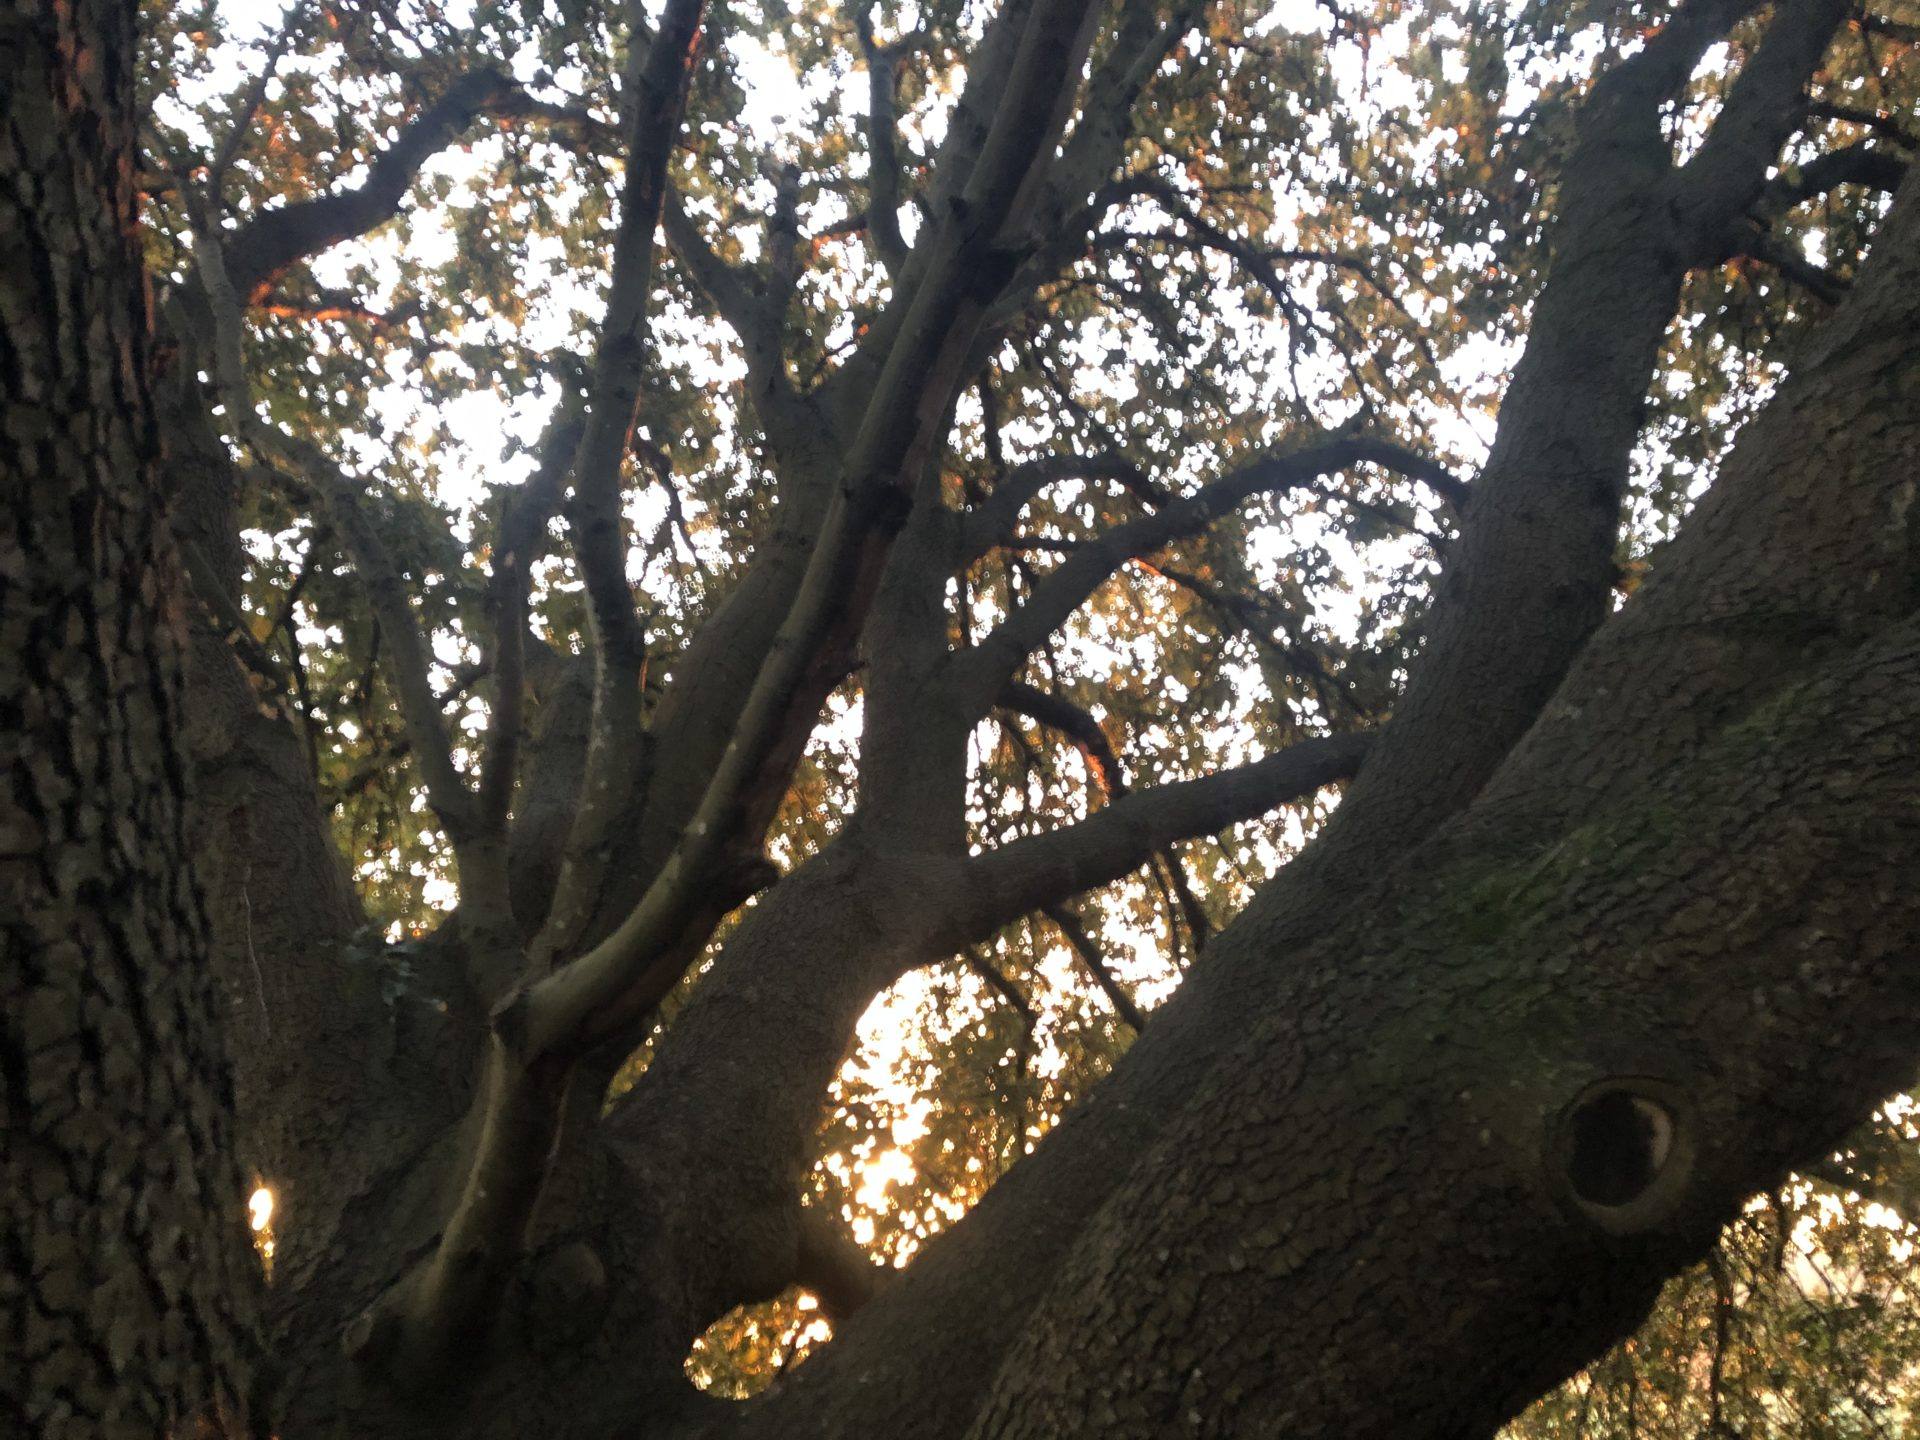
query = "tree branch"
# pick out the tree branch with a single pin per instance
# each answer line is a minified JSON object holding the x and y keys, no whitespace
{"x":1078,"y":725}
{"x":520,"y":542}
{"x":616,"y":758}
{"x":992,"y":522}
{"x":606,"y":987}
{"x":1088,"y":952}
{"x":1880,"y":123}
{"x":1026,"y":875}
{"x":1816,"y":280}
{"x":1067,"y":587}
{"x":1527,"y":582}
{"x":407,"y":656}
{"x":1259,"y":620}
{"x":734,"y":292}
{"x":1726,"y":175}
{"x":833,"y":1268}
{"x":1142,"y":42}
{"x":256,"y":93}
{"x":1008,"y":992}
{"x":1263,"y":264}
{"x":917,"y":354}
{"x":1861,"y":163}
{"x":419,"y":1327}
{"x":883,"y":156}
{"x":275,"y":239}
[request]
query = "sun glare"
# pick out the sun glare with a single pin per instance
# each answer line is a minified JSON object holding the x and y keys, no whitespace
{"x":260,"y":1221}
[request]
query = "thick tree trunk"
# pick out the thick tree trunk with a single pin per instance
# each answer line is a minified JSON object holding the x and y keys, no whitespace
{"x":1528,"y":581}
{"x":128,"y":1284}
{"x":1409,"y":1053}
{"x":1456,"y":1147}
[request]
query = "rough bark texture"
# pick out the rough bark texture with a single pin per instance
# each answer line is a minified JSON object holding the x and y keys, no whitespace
{"x":1663,"y":853}
{"x":1687,"y":872}
{"x":1689,"y":877}
{"x":1526,"y":583}
{"x":125,"y":1280}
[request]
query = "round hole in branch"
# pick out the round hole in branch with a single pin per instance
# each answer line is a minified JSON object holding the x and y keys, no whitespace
{"x":1619,"y":1144}
{"x":1622,"y":1152}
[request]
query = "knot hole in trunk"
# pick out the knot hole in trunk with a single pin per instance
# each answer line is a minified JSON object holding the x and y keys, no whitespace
{"x":1622,"y":1153}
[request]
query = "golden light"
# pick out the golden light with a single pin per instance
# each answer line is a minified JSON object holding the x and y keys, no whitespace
{"x":260,"y":1221}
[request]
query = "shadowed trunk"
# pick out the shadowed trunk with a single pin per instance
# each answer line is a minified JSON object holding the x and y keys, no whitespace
{"x":129,"y":1288}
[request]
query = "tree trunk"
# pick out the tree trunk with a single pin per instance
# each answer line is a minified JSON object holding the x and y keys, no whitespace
{"x":1454,"y":1150}
{"x":128,"y":1281}
{"x":1398,"y":1157}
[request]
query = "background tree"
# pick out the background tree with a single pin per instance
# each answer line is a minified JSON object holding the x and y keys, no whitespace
{"x":948,"y":511}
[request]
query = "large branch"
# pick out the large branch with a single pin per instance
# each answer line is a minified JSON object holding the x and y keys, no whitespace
{"x":1531,"y":574}
{"x":1684,"y":715}
{"x":615,"y":761}
{"x":1728,"y":750}
{"x":418,"y":1328}
{"x":736,"y":293}
{"x":1527,"y":582}
{"x":281,"y":905}
{"x":1304,"y":1186}
{"x":1096,"y":148}
{"x":925,"y":338}
{"x":275,"y":239}
{"x":897,"y":395}
{"x":623,"y":975}
{"x":519,"y":545}
{"x":900,"y":385}
{"x":1027,"y":875}
{"x":1726,"y":175}
{"x":1887,"y":126}
{"x":751,"y":1054}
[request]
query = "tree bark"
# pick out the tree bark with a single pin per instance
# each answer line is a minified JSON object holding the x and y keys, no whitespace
{"x":1683,"y":891}
{"x":1397,"y":1043}
{"x":128,"y":1285}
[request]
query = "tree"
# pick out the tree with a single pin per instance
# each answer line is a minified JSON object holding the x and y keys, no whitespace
{"x":126,"y":1304}
{"x":973,"y":412}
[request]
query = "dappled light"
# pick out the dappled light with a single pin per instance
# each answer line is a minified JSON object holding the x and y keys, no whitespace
{"x":745,"y":1351}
